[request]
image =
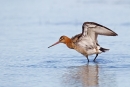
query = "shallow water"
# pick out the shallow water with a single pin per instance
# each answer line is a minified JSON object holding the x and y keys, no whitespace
{"x":28,"y":27}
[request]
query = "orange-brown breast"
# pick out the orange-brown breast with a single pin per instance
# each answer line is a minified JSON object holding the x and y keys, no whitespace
{"x":68,"y":42}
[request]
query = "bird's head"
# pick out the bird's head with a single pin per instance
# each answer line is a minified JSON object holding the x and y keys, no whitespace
{"x":63,"y":39}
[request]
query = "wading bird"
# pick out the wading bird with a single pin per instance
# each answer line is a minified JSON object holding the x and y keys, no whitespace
{"x":86,"y":43}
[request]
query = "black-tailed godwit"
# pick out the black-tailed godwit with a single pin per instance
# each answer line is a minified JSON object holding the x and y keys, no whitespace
{"x":86,"y":43}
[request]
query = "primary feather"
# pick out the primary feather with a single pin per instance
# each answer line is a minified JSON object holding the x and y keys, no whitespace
{"x":90,"y":32}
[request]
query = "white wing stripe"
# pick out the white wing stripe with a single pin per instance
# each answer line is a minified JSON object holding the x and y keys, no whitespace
{"x":90,"y":31}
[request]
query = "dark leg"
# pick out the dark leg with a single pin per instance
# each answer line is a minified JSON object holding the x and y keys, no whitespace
{"x":95,"y":57}
{"x":87,"y":58}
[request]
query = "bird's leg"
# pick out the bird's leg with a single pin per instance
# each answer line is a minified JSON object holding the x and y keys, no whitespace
{"x":87,"y":58}
{"x":95,"y":57}
{"x":96,"y":54}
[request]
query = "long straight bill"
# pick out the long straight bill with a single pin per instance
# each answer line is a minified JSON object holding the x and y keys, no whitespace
{"x":54,"y":44}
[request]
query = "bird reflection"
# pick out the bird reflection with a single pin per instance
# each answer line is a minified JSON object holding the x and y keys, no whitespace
{"x":82,"y":76}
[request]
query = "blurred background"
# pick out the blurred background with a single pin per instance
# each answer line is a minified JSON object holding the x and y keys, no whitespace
{"x":28,"y":27}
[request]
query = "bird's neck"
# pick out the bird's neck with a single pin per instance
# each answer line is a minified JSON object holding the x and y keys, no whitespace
{"x":68,"y":43}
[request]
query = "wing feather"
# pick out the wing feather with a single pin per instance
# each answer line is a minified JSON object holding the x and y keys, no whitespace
{"x":90,"y":31}
{"x":95,"y":29}
{"x":100,"y":29}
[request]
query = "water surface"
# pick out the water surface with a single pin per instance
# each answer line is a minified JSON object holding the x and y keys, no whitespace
{"x":28,"y":27}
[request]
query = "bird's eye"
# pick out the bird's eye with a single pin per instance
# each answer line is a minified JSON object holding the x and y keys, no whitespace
{"x":61,"y":38}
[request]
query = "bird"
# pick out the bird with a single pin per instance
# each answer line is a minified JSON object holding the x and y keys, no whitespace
{"x":86,"y":42}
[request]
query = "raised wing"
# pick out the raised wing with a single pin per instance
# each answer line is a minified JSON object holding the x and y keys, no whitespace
{"x":90,"y":31}
{"x":93,"y":29}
